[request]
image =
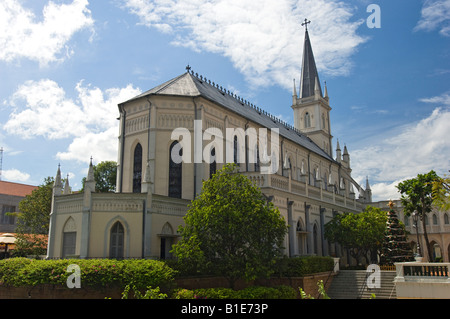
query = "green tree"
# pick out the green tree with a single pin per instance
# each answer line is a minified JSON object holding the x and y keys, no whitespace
{"x":417,"y":196}
{"x":231,"y":229}
{"x":441,"y":192}
{"x":33,"y":220}
{"x":105,"y":177}
{"x":361,"y":233}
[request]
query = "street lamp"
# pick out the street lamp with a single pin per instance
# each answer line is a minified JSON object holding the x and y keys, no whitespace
{"x":415,"y":217}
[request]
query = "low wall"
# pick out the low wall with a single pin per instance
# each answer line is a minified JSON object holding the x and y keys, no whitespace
{"x":416,"y":280}
{"x":308,"y":284}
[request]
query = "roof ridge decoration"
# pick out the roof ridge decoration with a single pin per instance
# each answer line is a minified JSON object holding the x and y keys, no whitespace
{"x":243,"y":102}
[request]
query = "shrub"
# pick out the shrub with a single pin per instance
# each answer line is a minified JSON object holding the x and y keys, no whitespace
{"x":302,"y":266}
{"x":141,"y":274}
{"x":254,"y":292}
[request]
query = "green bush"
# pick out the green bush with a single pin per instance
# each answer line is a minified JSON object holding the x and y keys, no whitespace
{"x":302,"y":266}
{"x":254,"y":292}
{"x":140,"y":273}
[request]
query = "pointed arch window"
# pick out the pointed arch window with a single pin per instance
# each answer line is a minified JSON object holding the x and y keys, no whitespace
{"x":212,"y":164}
{"x":235,"y":149}
{"x":116,"y":241}
{"x":446,"y":221}
{"x":307,"y":120}
{"x":315,"y":240}
{"x":137,"y":169}
{"x":175,"y":172}
{"x":257,"y":163}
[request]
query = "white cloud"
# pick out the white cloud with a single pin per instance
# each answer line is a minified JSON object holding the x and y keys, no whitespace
{"x":43,"y":109}
{"x":435,"y":14}
{"x":22,"y":36}
{"x":441,"y":99}
{"x":15,"y":175}
{"x":416,"y":149}
{"x":263,"y":39}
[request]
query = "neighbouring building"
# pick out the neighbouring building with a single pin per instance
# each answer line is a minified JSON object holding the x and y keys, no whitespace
{"x":438,"y":229}
{"x":10,"y":196}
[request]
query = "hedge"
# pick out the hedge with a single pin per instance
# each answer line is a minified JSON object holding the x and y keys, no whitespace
{"x":253,"y":292}
{"x":142,"y":273}
{"x":303,"y":266}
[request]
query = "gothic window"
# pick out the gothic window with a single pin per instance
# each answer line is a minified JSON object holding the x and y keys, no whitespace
{"x":175,"y":170}
{"x":435,"y":220}
{"x":137,"y":169}
{"x":116,"y":241}
{"x":235,"y":149}
{"x":323,"y":122}
{"x":446,"y":221}
{"x":257,"y":163}
{"x":307,"y":120}
{"x":315,"y":239}
{"x":212,"y":164}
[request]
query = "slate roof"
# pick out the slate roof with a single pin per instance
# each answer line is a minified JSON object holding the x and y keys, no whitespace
{"x":309,"y":70}
{"x":191,"y":85}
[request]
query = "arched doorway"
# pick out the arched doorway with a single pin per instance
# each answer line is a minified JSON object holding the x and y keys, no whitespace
{"x":167,"y":236}
{"x":116,"y":242}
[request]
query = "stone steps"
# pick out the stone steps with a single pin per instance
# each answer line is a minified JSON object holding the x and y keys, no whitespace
{"x":352,"y":284}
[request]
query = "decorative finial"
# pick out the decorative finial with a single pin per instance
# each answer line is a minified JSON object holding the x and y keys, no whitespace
{"x":188,"y":68}
{"x":391,"y":204}
{"x":306,"y":24}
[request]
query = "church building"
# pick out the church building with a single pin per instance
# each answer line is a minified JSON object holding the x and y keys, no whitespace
{"x":153,"y":190}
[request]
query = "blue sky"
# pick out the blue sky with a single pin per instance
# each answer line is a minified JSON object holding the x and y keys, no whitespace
{"x":66,"y":64}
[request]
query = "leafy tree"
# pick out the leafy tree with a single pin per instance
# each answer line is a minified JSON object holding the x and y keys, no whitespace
{"x":361,"y":233}
{"x":417,"y":196}
{"x":231,"y":229}
{"x":105,"y":177}
{"x":441,"y":192}
{"x":33,"y":220}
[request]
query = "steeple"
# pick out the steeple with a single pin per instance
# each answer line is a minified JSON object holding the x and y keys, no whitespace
{"x":311,"y":107}
{"x":57,"y":185}
{"x":67,"y":189}
{"x":309,"y":75}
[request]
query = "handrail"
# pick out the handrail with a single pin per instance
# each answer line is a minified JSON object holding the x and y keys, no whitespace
{"x":329,"y":275}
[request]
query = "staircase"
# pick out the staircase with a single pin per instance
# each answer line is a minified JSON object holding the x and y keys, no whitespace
{"x":351,"y":284}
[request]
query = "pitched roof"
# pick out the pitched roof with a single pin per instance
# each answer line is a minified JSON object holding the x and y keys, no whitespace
{"x":16,"y":189}
{"x":191,"y":85}
{"x":309,"y":70}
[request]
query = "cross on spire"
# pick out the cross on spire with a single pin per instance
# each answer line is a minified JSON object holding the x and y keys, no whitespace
{"x":306,"y":24}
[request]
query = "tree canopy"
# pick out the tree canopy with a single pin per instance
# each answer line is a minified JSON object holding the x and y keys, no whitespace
{"x":33,"y":220}
{"x":441,"y":192}
{"x":417,"y":196}
{"x":361,"y":233}
{"x":231,"y":229}
{"x":105,"y":174}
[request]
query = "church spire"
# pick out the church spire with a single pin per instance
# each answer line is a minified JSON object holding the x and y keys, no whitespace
{"x":309,"y":69}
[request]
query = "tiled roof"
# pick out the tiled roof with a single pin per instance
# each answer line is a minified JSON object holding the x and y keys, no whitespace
{"x":16,"y":189}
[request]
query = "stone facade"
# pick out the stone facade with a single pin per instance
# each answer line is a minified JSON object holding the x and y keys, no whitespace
{"x":309,"y":185}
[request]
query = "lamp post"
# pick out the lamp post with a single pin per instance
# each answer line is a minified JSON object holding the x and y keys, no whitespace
{"x":415,"y":217}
